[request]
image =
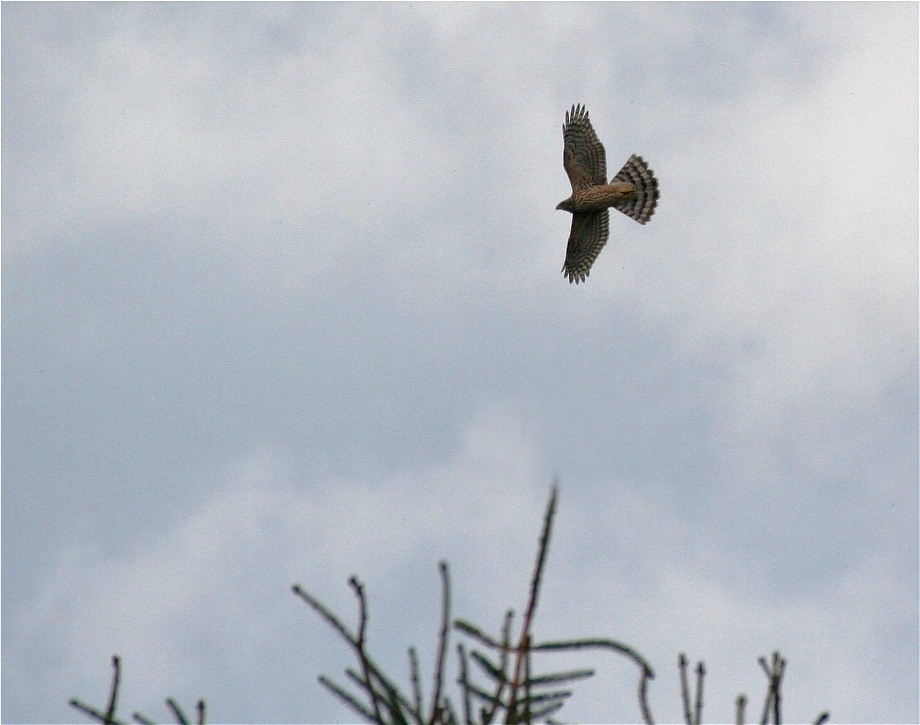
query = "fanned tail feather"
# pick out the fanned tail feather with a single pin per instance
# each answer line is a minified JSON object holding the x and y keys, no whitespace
{"x":641,"y":205}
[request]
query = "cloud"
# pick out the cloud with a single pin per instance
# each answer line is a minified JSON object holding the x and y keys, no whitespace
{"x":218,"y":577}
{"x":283,"y":304}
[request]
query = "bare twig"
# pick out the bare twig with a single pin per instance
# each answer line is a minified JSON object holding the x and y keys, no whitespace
{"x":476,"y":633}
{"x":463,"y":681}
{"x":768,"y":701}
{"x":698,"y":710}
{"x":325,"y":614}
{"x":646,"y":669}
{"x":393,"y":694}
{"x":448,"y":715}
{"x":646,"y":675}
{"x":442,"y":641}
{"x":623,"y":649}
{"x":541,"y":563}
{"x":684,"y":687}
{"x":739,"y":709}
{"x":92,"y":712}
{"x":527,"y":683}
{"x":779,"y":667}
{"x":523,"y":648}
{"x":181,"y":719}
{"x":362,"y":628}
{"x":559,"y":677}
{"x":416,"y":683}
{"x":346,"y":697}
{"x":383,"y":692}
{"x":822,"y":718}
{"x":200,"y":708}
{"x":504,"y":647}
{"x":774,"y":672}
{"x":107,"y":717}
{"x":492,"y":670}
{"x":113,"y":697}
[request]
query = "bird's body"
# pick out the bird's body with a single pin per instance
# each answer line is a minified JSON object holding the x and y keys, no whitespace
{"x":597,"y":198}
{"x":633,"y":191}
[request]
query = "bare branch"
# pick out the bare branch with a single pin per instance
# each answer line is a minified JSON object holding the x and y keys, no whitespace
{"x":739,"y":709}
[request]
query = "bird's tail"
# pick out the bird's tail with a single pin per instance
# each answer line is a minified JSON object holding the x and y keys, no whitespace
{"x":640,"y":205}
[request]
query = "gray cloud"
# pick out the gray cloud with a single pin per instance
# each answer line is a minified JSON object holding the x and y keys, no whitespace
{"x":283,"y":303}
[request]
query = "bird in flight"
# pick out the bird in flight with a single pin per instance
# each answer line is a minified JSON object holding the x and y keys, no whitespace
{"x":633,"y":191}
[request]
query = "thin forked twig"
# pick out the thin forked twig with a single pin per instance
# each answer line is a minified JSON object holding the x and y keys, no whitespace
{"x":107,"y":717}
{"x":779,"y":665}
{"x":774,"y":672}
{"x":392,"y":692}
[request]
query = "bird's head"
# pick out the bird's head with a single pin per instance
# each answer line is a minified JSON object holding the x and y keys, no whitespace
{"x":565,"y":205}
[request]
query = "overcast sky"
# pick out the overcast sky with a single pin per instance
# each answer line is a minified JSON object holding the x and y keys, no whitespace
{"x":282,"y":303}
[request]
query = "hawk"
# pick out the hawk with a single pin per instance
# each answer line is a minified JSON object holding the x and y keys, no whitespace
{"x":633,"y":191}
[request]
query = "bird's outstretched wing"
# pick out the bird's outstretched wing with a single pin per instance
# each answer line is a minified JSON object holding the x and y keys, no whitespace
{"x":640,"y":205}
{"x":586,"y":240}
{"x":583,"y":157}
